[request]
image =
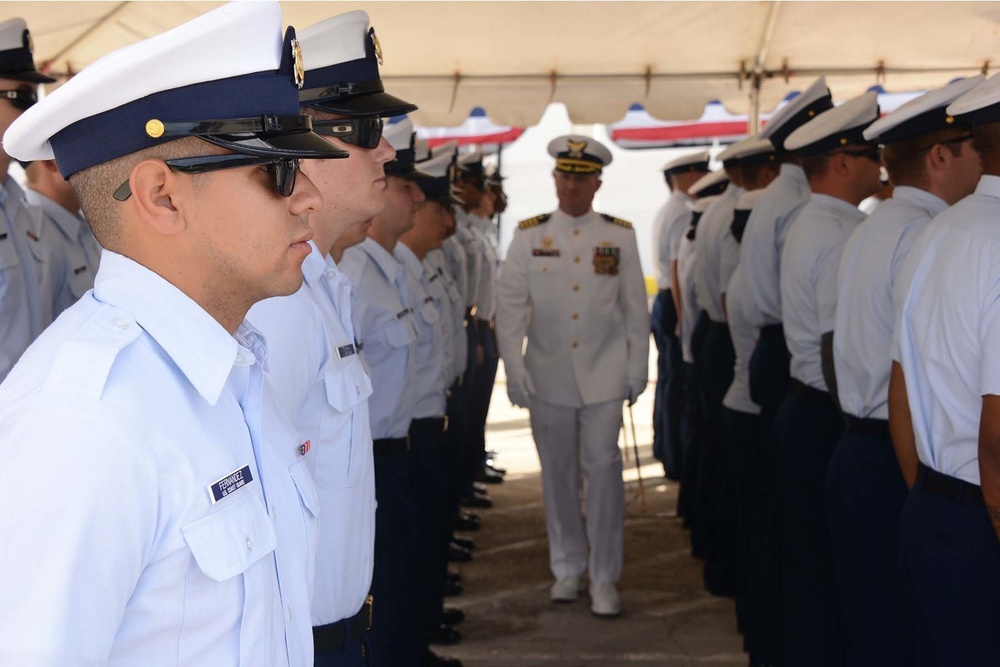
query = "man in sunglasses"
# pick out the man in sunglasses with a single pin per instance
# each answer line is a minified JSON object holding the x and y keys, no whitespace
{"x":932,"y":164}
{"x":314,"y":361}
{"x":843,"y":169}
{"x":20,"y":251}
{"x":175,"y":520}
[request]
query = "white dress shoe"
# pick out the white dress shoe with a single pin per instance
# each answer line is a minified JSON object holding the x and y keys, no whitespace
{"x":566,"y":589}
{"x":604,"y":600}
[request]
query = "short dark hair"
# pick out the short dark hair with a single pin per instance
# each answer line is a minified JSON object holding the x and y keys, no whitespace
{"x":904,"y":161}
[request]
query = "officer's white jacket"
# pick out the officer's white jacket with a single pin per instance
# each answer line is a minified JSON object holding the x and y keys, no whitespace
{"x":587,"y":331}
{"x":73,"y":255}
{"x":809,"y":267}
{"x":154,"y":506}
{"x":869,"y":269}
{"x":948,"y":337}
{"x":321,"y":384}
{"x":764,"y":240}
{"x":20,"y":275}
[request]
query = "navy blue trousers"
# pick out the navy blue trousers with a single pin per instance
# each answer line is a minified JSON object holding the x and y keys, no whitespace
{"x":950,"y":560}
{"x":668,"y":400}
{"x":769,"y":375}
{"x":397,"y":637}
{"x":432,"y":501}
{"x":808,"y":430}
{"x":479,"y":396}
{"x":690,"y":434}
{"x":743,"y":439}
{"x":865,"y":492}
{"x":352,"y":655}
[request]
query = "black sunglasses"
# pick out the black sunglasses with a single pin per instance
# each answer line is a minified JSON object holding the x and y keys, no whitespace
{"x":22,"y":98}
{"x":284,"y":170}
{"x":956,"y":140}
{"x":364,"y":132}
{"x":873,"y":153}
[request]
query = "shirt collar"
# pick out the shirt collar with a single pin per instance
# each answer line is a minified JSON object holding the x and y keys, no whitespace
{"x":409,"y":260}
{"x":11,"y":193}
{"x":314,"y":265}
{"x":989,"y":186}
{"x":839,"y":207}
{"x":200,"y":347}
{"x":563,"y":216}
{"x":382,"y":258}
{"x":66,"y":221}
{"x":926,"y":200}
{"x":794,"y":171}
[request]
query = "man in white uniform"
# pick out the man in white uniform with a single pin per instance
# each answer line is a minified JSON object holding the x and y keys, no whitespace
{"x":183,"y":526}
{"x":842,"y":168}
{"x":933,"y":164}
{"x":944,"y":402}
{"x":573,"y":285}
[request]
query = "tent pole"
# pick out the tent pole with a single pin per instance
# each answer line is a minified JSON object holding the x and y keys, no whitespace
{"x":753,"y":122}
{"x":499,"y":215}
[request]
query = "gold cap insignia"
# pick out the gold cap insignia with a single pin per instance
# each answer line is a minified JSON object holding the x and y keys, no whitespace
{"x":949,"y":120}
{"x":575,"y":148}
{"x":377,"y":45}
{"x":843,"y":141}
{"x":298,"y":64}
{"x":811,"y":113}
{"x":154,"y":128}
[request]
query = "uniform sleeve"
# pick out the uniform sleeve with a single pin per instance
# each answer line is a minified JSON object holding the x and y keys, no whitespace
{"x":513,"y":303}
{"x":730,"y":259}
{"x":827,"y":267}
{"x":989,"y":328}
{"x":675,"y":232}
{"x":633,"y":295}
{"x":79,"y":516}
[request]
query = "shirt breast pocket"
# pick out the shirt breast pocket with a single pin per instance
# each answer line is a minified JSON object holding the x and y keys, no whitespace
{"x":400,"y":333}
{"x":340,"y":459}
{"x":545,"y":278}
{"x":229,"y":541}
{"x":429,"y":311}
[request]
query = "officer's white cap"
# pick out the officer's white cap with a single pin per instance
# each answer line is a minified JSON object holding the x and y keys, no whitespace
{"x":712,"y":183}
{"x":750,"y":150}
{"x":838,"y":127}
{"x":402,"y":138}
{"x":579,"y":154}
{"x":922,"y":114}
{"x":690,"y":162}
{"x":980,"y":105}
{"x":228,"y":64}
{"x":800,"y":110}
{"x":342,"y":56}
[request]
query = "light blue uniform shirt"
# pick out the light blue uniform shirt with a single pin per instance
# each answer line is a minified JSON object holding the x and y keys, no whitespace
{"x":809,"y":267}
{"x":948,"y":337}
{"x":321,"y":383}
{"x":489,"y":260}
{"x":671,"y":222}
{"x":712,"y":228}
{"x":73,"y":254}
{"x":744,"y":336}
{"x":869,"y":268}
{"x":20,"y":303}
{"x":154,"y":506}
{"x":384,"y":325}
{"x":473,"y":257}
{"x":458,"y":266}
{"x":764,"y":240}
{"x":455,"y":306}
{"x":429,"y":354}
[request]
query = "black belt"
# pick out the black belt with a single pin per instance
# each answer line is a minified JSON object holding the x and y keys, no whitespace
{"x":772,"y":331}
{"x":430,"y":424}
{"x":387,"y":446}
{"x":809,"y":394}
{"x":872,"y":428}
{"x":484,"y":323}
{"x":332,"y":637}
{"x":938,"y":484}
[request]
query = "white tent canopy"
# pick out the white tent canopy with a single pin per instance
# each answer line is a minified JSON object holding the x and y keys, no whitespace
{"x":514,"y":58}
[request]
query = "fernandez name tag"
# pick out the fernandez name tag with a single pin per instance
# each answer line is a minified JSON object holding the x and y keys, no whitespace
{"x":231,"y":482}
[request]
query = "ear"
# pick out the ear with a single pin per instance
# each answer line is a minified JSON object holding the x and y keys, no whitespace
{"x":599,"y":183}
{"x":157,"y":196}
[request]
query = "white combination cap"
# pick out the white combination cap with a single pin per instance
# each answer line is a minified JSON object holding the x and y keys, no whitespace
{"x":836,"y":128}
{"x":922,"y":114}
{"x":578,"y":154}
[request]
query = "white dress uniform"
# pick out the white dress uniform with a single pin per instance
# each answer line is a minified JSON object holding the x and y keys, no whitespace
{"x":809,"y":267}
{"x":20,"y":299}
{"x":73,"y":251}
{"x":712,"y":228}
{"x":574,"y":286}
{"x":155,"y":542}
{"x":320,"y":382}
{"x":385,"y":327}
{"x":869,"y":269}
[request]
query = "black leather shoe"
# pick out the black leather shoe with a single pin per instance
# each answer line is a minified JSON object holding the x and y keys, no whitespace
{"x":477,"y":501}
{"x":499,"y":471}
{"x":443,"y":635}
{"x":432,"y":660}
{"x":457,"y":554}
{"x":452,"y":589}
{"x":467,"y":521}
{"x":479,"y":488}
{"x":464,"y":542}
{"x":486,"y":476}
{"x":452,"y":616}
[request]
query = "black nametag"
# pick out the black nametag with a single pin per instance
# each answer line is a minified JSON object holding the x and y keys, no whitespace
{"x":432,"y":278}
{"x":545,"y":252}
{"x":403,"y":313}
{"x":3,"y":237}
{"x":78,"y":270}
{"x":429,"y":299}
{"x":345,"y":350}
{"x":231,"y":482}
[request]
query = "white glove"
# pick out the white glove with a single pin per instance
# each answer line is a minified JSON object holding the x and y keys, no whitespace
{"x":635,"y":387}
{"x":520,"y":388}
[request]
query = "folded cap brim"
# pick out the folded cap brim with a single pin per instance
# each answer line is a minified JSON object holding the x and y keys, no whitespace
{"x":409,"y":174}
{"x":374,"y":104}
{"x":302,"y":145}
{"x":30,"y":76}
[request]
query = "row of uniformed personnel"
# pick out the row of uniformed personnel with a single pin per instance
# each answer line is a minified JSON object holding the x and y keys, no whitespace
{"x":181,"y":486}
{"x":831,"y":412}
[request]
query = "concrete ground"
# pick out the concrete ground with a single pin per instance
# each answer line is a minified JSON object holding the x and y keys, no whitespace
{"x":668,"y":619}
